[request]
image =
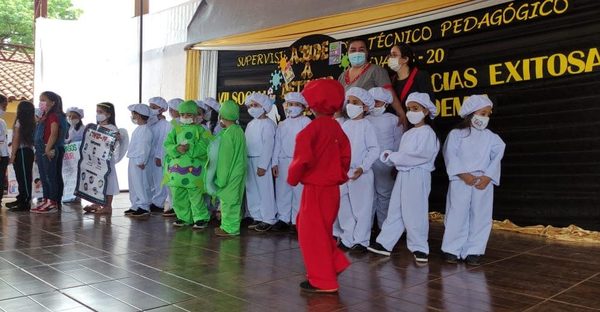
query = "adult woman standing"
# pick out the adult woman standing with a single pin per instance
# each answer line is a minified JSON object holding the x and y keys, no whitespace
{"x":366,"y":75}
{"x":408,"y":77}
{"x":21,"y":156}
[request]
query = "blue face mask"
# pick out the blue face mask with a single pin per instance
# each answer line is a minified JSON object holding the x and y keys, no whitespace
{"x":256,"y":112}
{"x":357,"y":58}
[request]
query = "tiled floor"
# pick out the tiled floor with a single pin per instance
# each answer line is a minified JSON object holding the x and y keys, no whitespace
{"x":75,"y":262}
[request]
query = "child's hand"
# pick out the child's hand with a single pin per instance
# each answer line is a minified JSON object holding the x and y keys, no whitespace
{"x":142,"y":166}
{"x":261,"y":172}
{"x":357,"y":173}
{"x":157,"y":162}
{"x":482,"y":182}
{"x":468,"y":178}
{"x":275,"y":171}
{"x":182,"y":148}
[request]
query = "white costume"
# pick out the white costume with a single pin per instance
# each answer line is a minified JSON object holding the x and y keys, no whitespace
{"x":75,"y":135}
{"x":356,"y":196}
{"x":288,"y":197}
{"x":112,"y":183}
{"x":159,"y":127}
{"x":139,"y":153}
{"x":260,"y":141}
{"x":468,"y":217}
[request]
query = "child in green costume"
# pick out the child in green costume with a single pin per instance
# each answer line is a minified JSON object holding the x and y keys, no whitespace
{"x":226,"y":169}
{"x":185,"y":153}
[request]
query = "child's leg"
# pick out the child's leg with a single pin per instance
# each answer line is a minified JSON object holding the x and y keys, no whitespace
{"x":480,"y":221}
{"x":159,"y":196}
{"x":181,"y":204}
{"x":384,"y":184}
{"x":415,"y":209}
{"x":393,"y":226}
{"x":346,"y":220}
{"x":252,"y":190}
{"x":361,"y":197}
{"x":231,"y":203}
{"x":457,"y":216}
{"x":284,"y":192}
{"x":266,"y":189}
{"x":197,"y":204}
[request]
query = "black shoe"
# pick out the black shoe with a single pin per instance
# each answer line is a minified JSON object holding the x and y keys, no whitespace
{"x":379,"y":249}
{"x":307,"y":287}
{"x":253,"y":225}
{"x":198,"y":225}
{"x":358,"y":249}
{"x":12,"y":204}
{"x":263,"y":227}
{"x":420,"y":257}
{"x":342,"y":246}
{"x":19,"y":208}
{"x":156,"y":209}
{"x":450,"y":258}
{"x":129,"y":212}
{"x":140,"y":213}
{"x":473,"y":260}
{"x":169,"y":213}
{"x":280,"y":226}
{"x":179,"y":223}
{"x":293,"y":229}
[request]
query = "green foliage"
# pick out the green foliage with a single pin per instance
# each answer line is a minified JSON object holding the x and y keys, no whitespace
{"x":16,"y":18}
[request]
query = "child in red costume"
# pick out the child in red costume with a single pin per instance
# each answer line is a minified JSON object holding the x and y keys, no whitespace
{"x":321,"y":162}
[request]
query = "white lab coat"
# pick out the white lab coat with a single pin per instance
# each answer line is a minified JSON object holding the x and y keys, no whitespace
{"x":409,"y":204}
{"x":159,"y":192}
{"x":468,"y":217}
{"x":287,"y":197}
{"x":139,"y":153}
{"x":388,"y":134}
{"x":260,"y":193}
{"x":75,"y":135}
{"x":356,"y":196}
{"x":112,"y":183}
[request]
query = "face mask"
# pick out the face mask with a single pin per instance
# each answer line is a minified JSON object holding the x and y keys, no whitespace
{"x":134,"y":120}
{"x":186,"y":121}
{"x":293,"y":111}
{"x":378,"y":111}
{"x":415,"y":117}
{"x":43,"y":106}
{"x":100,"y":117}
{"x":256,"y":112}
{"x":479,"y":122}
{"x":154,"y":111}
{"x":73,"y":122}
{"x":394,"y":64}
{"x":353,"y":110}
{"x":357,"y":58}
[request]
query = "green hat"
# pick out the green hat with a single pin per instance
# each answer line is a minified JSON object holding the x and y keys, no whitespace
{"x":188,"y":107}
{"x":230,"y":110}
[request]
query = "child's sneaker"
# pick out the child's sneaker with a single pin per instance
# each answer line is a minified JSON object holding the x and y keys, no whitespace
{"x":156,"y":209}
{"x":307,"y":287}
{"x":140,"y":213}
{"x":169,"y":213}
{"x":179,"y":223}
{"x":473,"y":260}
{"x":129,"y":211}
{"x":450,"y":258}
{"x":198,"y":225}
{"x":420,"y":257}
{"x":221,"y":233}
{"x":263,"y":227}
{"x":253,"y":225}
{"x":42,"y":204}
{"x":379,"y":249}
{"x":51,"y":207}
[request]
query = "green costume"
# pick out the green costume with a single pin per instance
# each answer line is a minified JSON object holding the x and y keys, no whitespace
{"x":226,"y":169}
{"x":184,"y":171}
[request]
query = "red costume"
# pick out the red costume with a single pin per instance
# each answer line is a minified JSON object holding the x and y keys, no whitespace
{"x":321,"y":162}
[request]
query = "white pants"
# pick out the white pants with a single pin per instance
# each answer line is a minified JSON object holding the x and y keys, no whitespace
{"x":468,"y":219}
{"x":287,"y":197}
{"x":139,"y":190}
{"x":408,"y":210}
{"x":260,"y":193}
{"x":384,"y":184}
{"x":159,"y":193}
{"x":356,"y":206}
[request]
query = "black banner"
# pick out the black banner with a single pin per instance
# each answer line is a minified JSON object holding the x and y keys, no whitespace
{"x":538,"y":61}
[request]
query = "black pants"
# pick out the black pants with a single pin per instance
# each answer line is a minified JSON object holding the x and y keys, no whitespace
{"x":3,"y":165}
{"x":23,"y":165}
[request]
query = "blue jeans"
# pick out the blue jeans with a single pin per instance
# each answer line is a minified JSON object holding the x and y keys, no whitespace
{"x":51,"y":175}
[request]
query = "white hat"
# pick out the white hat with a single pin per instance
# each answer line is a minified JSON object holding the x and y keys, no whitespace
{"x":202,"y":105}
{"x":295,"y":97}
{"x":75,"y":110}
{"x":174,"y":103}
{"x":157,"y":100}
{"x":474,"y":103}
{"x":141,"y":109}
{"x":381,"y":94}
{"x":423,"y":100}
{"x":262,"y":99}
{"x":362,"y":94}
{"x":212,"y":103}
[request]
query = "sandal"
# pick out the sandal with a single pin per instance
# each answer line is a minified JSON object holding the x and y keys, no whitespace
{"x":103,"y":211}
{"x":91,"y":208}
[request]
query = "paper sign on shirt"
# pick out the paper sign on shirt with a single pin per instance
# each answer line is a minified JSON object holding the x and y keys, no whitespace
{"x":69,"y":170}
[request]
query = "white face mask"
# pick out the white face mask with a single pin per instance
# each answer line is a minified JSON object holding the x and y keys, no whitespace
{"x":134,"y":120}
{"x":415,"y":117}
{"x":101,"y":117}
{"x":377,"y":111}
{"x":73,"y":121}
{"x":293,"y":111}
{"x":186,"y":121}
{"x":479,"y":122}
{"x":394,"y":64}
{"x":353,"y":111}
{"x":255,"y":112}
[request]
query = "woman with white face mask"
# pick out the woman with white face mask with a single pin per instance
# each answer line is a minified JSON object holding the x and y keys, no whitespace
{"x":366,"y":75}
{"x":472,"y":154}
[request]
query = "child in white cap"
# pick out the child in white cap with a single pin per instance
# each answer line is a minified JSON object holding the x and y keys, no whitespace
{"x":174,"y":109}
{"x":76,"y":128}
{"x":140,"y":155}
{"x":472,"y":154}
{"x":260,"y":141}
{"x":160,"y":129}
{"x":388,"y":134}
{"x":409,"y":204}
{"x":288,"y":197}
{"x":211,"y":115}
{"x":355,"y":216}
